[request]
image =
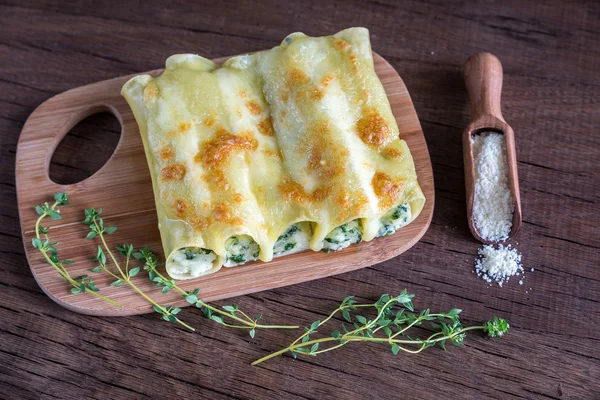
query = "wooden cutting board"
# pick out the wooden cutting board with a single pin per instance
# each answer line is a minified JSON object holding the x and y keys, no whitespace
{"x":122,"y":187}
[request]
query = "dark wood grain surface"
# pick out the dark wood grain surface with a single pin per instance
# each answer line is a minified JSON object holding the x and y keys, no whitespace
{"x":551,"y":56}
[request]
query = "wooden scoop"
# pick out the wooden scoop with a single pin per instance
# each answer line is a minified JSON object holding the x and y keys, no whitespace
{"x":483,"y":78}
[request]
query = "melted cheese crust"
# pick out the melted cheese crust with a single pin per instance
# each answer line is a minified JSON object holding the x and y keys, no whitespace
{"x":302,"y":133}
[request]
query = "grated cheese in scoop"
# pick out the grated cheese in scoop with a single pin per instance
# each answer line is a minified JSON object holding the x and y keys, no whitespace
{"x":493,"y":204}
{"x":498,"y":264}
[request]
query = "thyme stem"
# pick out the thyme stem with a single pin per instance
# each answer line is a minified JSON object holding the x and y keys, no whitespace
{"x":125,"y":277}
{"x":395,"y":316}
{"x":349,"y":338}
{"x":58,"y":266}
{"x":110,"y":253}
{"x":249,"y":324}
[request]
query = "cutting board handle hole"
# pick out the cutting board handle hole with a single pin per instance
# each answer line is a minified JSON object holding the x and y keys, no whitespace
{"x":86,"y":147}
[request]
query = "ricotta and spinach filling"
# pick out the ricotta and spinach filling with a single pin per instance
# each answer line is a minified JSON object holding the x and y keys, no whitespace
{"x":295,"y":239}
{"x":342,"y":236}
{"x":240,"y":250}
{"x":347,"y":234}
{"x":395,"y":219}
{"x":192,"y":261}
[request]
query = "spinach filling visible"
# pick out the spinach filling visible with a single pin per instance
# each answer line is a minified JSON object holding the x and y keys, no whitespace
{"x":295,"y":237}
{"x":342,"y":237}
{"x":192,"y":253}
{"x":395,"y":219}
{"x":240,"y":249}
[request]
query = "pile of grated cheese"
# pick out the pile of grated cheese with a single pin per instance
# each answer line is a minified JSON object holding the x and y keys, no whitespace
{"x":493,"y":204}
{"x":498,"y":264}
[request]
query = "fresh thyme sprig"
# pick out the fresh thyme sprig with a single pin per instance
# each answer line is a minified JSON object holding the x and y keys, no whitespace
{"x":243,"y":321}
{"x":80,"y":284}
{"x":122,"y":275}
{"x":395,"y":316}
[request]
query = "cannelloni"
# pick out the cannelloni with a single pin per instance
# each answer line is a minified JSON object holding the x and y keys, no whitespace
{"x":273,"y":153}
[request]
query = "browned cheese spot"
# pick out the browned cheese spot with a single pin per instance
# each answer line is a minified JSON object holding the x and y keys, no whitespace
{"x":315,"y":157}
{"x":343,"y":198}
{"x":243,"y":94}
{"x":391,"y":152}
{"x":299,"y":84}
{"x":372,"y":129}
{"x":266,"y":127}
{"x":317,"y":94}
{"x":236,"y":222}
{"x":199,"y":223}
{"x":326,"y":80}
{"x":386,"y":189}
{"x":360,"y":201}
{"x":221,"y":212}
{"x":181,"y":208}
{"x":150,"y":92}
{"x":352,"y":204}
{"x":296,"y":78}
{"x":238,"y":198}
{"x":294,"y":192}
{"x":253,"y":107}
{"x":216,"y":177}
{"x":353,"y":59}
{"x":173,"y":172}
{"x":166,"y":153}
{"x":345,"y":205}
{"x":319,"y":194}
{"x":354,"y":62}
{"x":221,"y":147}
{"x":183,"y":127}
{"x":341,"y":44}
{"x":343,"y":214}
{"x":185,"y":212}
{"x":272,"y":154}
{"x":325,"y":156}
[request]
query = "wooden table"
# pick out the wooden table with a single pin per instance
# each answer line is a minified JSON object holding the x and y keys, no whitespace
{"x":551,"y":57}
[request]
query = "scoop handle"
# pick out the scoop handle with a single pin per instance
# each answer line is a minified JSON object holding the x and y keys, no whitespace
{"x":483,"y":78}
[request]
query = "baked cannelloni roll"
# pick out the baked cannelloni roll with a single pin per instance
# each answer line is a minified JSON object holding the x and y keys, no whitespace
{"x":272,"y":153}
